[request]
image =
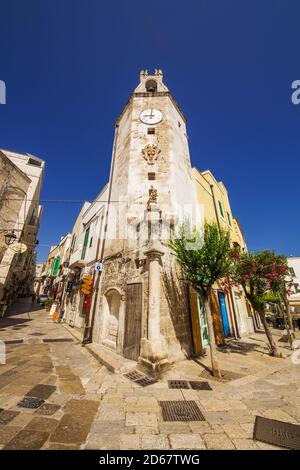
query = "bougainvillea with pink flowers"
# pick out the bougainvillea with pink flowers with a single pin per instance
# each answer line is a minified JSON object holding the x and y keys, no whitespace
{"x":262,"y":276}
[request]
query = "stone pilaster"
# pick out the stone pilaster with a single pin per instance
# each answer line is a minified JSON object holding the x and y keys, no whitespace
{"x":154,"y":351}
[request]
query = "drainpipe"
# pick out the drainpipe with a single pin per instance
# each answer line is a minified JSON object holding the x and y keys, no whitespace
{"x":231,"y":303}
{"x":88,"y":330}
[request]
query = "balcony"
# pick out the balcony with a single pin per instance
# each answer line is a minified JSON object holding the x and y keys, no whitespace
{"x":75,"y":259}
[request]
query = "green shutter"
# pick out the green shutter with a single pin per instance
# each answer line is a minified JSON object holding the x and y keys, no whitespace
{"x":55,"y":267}
{"x":229,"y":219}
{"x":85,"y":242}
{"x":221,"y":208}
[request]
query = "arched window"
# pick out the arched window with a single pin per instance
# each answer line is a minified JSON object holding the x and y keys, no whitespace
{"x":151,"y":86}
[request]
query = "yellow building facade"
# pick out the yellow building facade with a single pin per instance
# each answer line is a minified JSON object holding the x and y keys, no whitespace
{"x":231,"y":313}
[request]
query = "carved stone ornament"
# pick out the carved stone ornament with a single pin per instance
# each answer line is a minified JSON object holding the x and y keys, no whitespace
{"x":150,"y":153}
{"x":152,"y":195}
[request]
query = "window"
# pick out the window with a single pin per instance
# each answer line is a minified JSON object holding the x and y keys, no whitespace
{"x":33,"y":161}
{"x":221,"y":209}
{"x":292,"y":272}
{"x":85,"y":242}
{"x":33,"y":219}
{"x":151,"y":86}
{"x":151,"y":176}
{"x":229,"y":218}
{"x":151,"y":130}
{"x":91,"y":242}
{"x":73,"y":243}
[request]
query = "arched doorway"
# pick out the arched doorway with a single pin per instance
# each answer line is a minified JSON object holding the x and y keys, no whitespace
{"x":112,"y":302}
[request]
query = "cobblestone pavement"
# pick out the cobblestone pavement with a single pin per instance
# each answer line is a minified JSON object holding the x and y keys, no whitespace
{"x":55,"y":395}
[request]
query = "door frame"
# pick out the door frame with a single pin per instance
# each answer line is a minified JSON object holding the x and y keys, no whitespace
{"x":204,"y":342}
{"x":224,"y":319}
{"x":140,"y":320}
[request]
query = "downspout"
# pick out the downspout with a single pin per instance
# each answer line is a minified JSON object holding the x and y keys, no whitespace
{"x":231,"y":303}
{"x":88,"y":331}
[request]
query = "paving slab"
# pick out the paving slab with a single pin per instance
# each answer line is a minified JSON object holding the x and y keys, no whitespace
{"x":40,"y":423}
{"x":186,"y":441}
{"x":27,"y":440}
{"x":7,"y":433}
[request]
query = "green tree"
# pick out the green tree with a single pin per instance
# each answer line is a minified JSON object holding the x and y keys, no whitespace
{"x":204,"y":258}
{"x":262,"y":275}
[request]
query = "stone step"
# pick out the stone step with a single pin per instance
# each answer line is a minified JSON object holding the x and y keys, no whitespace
{"x":114,"y":362}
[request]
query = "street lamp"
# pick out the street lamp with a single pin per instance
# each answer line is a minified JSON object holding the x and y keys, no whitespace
{"x":10,"y":237}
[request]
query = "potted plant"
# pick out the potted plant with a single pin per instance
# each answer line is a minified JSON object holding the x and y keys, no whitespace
{"x":48,"y":303}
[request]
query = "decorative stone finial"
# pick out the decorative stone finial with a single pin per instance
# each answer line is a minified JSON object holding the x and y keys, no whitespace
{"x":152,"y":195}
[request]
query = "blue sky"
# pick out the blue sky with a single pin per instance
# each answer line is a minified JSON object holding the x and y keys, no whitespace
{"x":70,"y":65}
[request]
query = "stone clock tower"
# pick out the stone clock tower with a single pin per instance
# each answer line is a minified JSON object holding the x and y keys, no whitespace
{"x":143,"y":312}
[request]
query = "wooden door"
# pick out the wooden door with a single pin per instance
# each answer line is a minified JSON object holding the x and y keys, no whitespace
{"x":224,"y":314}
{"x":133,"y":317}
{"x":214,"y":306}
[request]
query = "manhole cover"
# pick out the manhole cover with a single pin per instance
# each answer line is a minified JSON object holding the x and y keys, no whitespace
{"x":200,"y":385}
{"x":178,"y":384}
{"x":58,"y":340}
{"x":181,"y":411}
{"x":277,"y":433}
{"x":139,"y":378}
{"x":14,"y":341}
{"x":29,"y":402}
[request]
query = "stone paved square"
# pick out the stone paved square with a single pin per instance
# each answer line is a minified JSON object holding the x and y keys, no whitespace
{"x":83,"y":405}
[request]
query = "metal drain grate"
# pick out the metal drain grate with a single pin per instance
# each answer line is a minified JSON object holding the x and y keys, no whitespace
{"x":30,"y":402}
{"x":58,"y":340}
{"x":181,"y":411}
{"x":133,"y":375}
{"x":195,"y":385}
{"x":9,"y":372}
{"x":139,"y":378}
{"x":178,"y":384}
{"x":145,"y":381}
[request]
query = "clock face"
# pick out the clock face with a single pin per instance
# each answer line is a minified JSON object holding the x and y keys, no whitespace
{"x":151,"y":116}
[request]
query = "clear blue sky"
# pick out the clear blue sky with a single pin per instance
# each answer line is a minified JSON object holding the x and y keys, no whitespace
{"x":70,"y":65}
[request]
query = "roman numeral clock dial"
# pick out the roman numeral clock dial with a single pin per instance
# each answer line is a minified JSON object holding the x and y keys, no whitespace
{"x":151,"y":116}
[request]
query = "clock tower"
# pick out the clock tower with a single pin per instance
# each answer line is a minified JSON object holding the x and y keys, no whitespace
{"x":143,"y":312}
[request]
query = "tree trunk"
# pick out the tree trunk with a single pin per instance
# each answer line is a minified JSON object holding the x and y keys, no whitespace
{"x":288,"y":312}
{"x":212,"y":341}
{"x":273,"y":345}
{"x":286,"y":324}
